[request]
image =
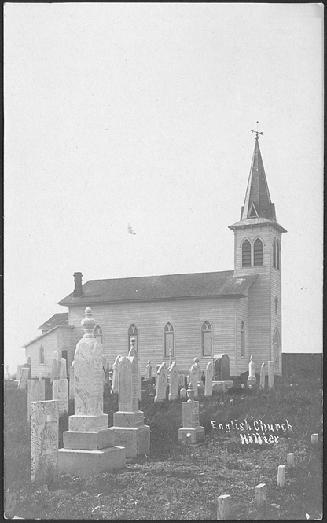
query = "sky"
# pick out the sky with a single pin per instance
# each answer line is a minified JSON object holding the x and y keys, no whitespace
{"x":141,"y":114}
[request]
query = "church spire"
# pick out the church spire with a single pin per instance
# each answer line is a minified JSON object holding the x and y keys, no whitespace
{"x":257,"y":203}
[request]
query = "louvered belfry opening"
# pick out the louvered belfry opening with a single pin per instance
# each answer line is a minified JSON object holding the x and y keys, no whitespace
{"x":246,"y":254}
{"x":258,"y":252}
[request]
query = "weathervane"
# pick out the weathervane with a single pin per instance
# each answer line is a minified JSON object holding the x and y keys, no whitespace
{"x":257,"y":132}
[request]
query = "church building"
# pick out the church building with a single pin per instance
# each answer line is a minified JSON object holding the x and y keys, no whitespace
{"x":182,"y":316}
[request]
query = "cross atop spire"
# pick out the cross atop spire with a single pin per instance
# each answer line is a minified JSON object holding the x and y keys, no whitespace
{"x":257,"y":132}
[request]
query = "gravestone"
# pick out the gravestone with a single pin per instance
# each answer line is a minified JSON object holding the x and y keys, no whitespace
{"x":35,"y":392}
{"x":89,"y":443}
{"x":191,"y":430}
{"x":55,"y":366}
{"x":148,"y":371}
{"x":251,"y":375}
{"x":221,"y":367}
{"x":63,"y":369}
{"x":24,"y":377}
{"x":128,"y":427}
{"x":44,"y":440}
{"x":208,"y":379}
{"x":271,"y":376}
{"x":71,"y":382}
{"x":262,"y":376}
{"x":182,"y":393}
{"x":195,"y":376}
{"x":173,"y":382}
{"x":161,"y":383}
{"x":60,"y":394}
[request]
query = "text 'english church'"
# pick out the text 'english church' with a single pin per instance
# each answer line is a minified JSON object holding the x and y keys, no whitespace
{"x":183,"y":316}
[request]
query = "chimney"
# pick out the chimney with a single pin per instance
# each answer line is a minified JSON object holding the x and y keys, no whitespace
{"x":78,"y":291}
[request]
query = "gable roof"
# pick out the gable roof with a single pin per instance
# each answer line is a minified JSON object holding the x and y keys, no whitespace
{"x":165,"y":287}
{"x":44,"y":334}
{"x":60,"y":318}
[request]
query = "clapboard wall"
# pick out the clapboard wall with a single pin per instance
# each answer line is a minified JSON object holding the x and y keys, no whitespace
{"x":150,"y":318}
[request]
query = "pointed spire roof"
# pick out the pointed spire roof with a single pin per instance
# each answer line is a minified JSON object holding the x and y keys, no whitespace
{"x":257,"y":203}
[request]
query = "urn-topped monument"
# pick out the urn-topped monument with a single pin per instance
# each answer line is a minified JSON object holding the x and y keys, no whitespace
{"x":88,"y":443}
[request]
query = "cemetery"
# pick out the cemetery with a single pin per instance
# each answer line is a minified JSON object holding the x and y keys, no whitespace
{"x":161,"y":443}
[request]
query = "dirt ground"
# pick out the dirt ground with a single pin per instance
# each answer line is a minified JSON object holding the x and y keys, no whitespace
{"x":183,"y":482}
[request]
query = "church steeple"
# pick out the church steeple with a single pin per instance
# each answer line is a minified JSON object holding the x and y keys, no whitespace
{"x":257,"y":203}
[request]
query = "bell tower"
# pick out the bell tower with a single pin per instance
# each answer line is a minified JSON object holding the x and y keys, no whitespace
{"x":257,"y":251}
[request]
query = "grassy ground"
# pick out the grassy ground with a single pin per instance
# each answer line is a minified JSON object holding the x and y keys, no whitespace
{"x":183,"y":482}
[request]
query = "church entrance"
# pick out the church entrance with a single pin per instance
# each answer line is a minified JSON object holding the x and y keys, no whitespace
{"x":276,"y":350}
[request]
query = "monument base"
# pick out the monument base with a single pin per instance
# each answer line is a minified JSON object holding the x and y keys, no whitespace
{"x":77,"y":440}
{"x":251,"y":383}
{"x":128,"y":419}
{"x":221,"y":386}
{"x":196,"y":434}
{"x":87,"y":423}
{"x":136,"y":440}
{"x":86,"y":462}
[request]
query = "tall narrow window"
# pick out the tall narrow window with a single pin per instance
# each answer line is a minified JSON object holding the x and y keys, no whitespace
{"x":97,"y":331}
{"x":258,"y":252}
{"x":246,"y":254}
{"x":242,"y":339}
{"x":132,"y":337}
{"x":206,"y":339}
{"x":274,"y":254}
{"x":169,"y":348}
{"x":64,"y":354}
{"x":41,"y":354}
{"x":277,"y":255}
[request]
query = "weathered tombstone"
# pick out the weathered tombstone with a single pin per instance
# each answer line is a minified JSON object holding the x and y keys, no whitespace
{"x":89,"y":443}
{"x":221,"y":367}
{"x":55,"y":367}
{"x":44,"y":440}
{"x":224,"y":507}
{"x":271,"y":376}
{"x":251,"y":375}
{"x":262,"y":376}
{"x":208,"y":379}
{"x":260,"y":492}
{"x":290,"y":460}
{"x":161,"y":383}
{"x":148,"y":371}
{"x":35,"y":392}
{"x":281,"y":476}
{"x":173,"y":382}
{"x":24,"y":376}
{"x":190,"y":419}
{"x":60,"y":394}
{"x":128,"y":427}
{"x":195,"y":375}
{"x":63,"y":369}
{"x":71,"y":382}
{"x":182,"y":393}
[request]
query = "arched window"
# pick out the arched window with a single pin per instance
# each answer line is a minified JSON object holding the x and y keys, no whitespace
{"x":41,"y":357}
{"x":169,"y":346}
{"x":132,"y":337}
{"x":97,"y":331}
{"x":258,"y":252}
{"x":206,"y":339}
{"x":242,"y":339}
{"x":277,"y":255}
{"x":276,"y":305}
{"x":246,"y":254}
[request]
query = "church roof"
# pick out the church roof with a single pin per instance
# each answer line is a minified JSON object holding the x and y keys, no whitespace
{"x":165,"y":287}
{"x":60,"y":318}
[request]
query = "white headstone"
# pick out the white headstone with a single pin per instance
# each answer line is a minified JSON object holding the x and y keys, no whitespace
{"x":63,"y":368}
{"x":208,"y":379}
{"x":24,"y":376}
{"x":148,"y":371}
{"x":251,"y":368}
{"x":182,"y":393}
{"x":262,"y":376}
{"x":44,"y":440}
{"x":136,"y":379}
{"x":55,"y":366}
{"x":71,"y":382}
{"x":161,"y":383}
{"x":35,"y":392}
{"x":194,"y":375}
{"x":60,"y":393}
{"x":124,"y":384}
{"x":88,"y":372}
{"x":114,"y":384}
{"x":173,"y":382}
{"x":271,"y":376}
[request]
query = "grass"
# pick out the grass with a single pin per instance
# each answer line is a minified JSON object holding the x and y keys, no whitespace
{"x":183,"y":482}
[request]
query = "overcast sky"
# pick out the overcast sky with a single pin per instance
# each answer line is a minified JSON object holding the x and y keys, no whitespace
{"x":141,"y":114}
